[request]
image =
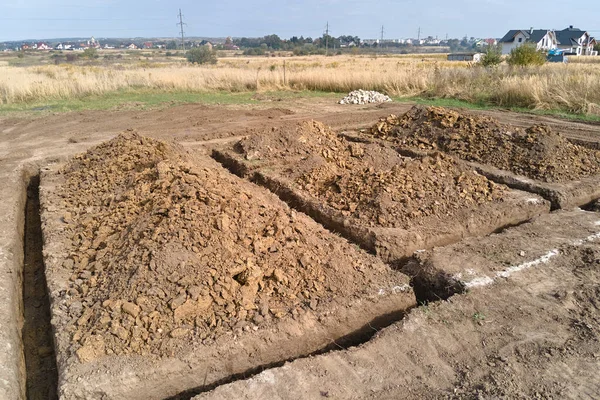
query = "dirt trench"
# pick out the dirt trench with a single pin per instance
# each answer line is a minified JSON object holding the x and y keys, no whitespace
{"x":38,"y":346}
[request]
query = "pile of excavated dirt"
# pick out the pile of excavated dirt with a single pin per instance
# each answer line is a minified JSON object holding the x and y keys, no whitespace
{"x":370,"y":182}
{"x":536,"y":152}
{"x":164,"y":248}
{"x":314,"y":143}
{"x":399,"y":197}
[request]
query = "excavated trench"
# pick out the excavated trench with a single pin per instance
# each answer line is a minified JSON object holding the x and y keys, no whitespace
{"x":356,"y":338}
{"x":41,"y":370}
{"x":38,"y":346}
{"x":37,"y":332}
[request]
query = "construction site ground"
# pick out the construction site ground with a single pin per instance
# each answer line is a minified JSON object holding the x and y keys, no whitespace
{"x":531,"y":329}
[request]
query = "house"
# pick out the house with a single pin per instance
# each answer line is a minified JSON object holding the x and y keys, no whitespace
{"x":575,"y":41}
{"x":63,"y":46}
{"x":93,"y":43}
{"x":486,"y":42}
{"x":132,"y":46}
{"x":544,"y":39}
{"x":148,"y":45}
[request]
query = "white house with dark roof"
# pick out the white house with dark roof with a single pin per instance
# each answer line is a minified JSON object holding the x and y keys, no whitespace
{"x":571,"y":40}
{"x":575,"y":41}
{"x":544,"y":39}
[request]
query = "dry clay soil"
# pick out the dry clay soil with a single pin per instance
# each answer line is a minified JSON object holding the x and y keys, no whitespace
{"x":35,"y":141}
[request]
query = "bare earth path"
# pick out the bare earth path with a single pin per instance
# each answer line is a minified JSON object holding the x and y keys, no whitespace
{"x":534,"y":335}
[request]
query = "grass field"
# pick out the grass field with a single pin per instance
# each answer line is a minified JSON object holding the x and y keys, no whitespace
{"x":570,"y":89}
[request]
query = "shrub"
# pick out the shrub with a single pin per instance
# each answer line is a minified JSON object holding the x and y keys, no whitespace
{"x":492,"y":56}
{"x":201,"y":55}
{"x":90,"y":53}
{"x":257,"y":51}
{"x":525,"y":55}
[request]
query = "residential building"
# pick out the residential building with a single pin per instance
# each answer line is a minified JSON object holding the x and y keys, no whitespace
{"x":543,"y":39}
{"x":575,"y":41}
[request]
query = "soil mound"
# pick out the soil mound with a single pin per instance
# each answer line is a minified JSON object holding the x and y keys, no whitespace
{"x":164,"y":248}
{"x":536,"y":152}
{"x":401,"y":196}
{"x":368,"y":181}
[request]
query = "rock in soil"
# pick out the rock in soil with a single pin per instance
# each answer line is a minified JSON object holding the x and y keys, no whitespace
{"x":536,"y":152}
{"x":161,"y":247}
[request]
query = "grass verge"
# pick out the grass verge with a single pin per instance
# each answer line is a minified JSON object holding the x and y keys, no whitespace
{"x":153,"y":99}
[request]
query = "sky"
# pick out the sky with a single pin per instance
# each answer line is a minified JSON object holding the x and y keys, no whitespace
{"x":39,"y":19}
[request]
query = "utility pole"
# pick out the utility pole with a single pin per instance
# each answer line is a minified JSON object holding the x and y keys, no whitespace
{"x":181,"y":24}
{"x":419,"y":34}
{"x":327,"y":38}
{"x":381,"y":41}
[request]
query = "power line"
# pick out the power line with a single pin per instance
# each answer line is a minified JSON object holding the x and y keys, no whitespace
{"x":181,"y":24}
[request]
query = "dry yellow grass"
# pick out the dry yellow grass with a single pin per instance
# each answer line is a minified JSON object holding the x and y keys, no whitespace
{"x":573,"y":87}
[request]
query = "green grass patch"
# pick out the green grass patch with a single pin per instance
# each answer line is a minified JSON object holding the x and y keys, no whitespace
{"x":152,"y":99}
{"x":124,"y":100}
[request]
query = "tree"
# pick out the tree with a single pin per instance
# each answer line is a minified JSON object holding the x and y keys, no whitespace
{"x":597,"y":48}
{"x":492,"y":56}
{"x":172,"y":45}
{"x":526,"y":55}
{"x":272,"y":41}
{"x":201,"y":55}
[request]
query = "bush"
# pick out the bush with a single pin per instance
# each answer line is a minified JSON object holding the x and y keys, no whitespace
{"x":90,"y":53}
{"x":201,"y":55}
{"x":257,"y":51}
{"x":492,"y":56}
{"x":526,"y":55}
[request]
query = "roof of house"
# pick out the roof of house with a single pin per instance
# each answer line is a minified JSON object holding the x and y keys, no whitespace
{"x":569,"y":36}
{"x":533,"y":36}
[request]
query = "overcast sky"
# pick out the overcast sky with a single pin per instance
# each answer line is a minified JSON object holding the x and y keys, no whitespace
{"x":38,"y":19}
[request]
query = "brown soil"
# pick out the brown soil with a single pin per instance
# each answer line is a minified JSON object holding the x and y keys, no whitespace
{"x":534,"y":341}
{"x":532,"y":335}
{"x":371,"y":183}
{"x":40,"y":359}
{"x":163,"y":249}
{"x":537,"y":152}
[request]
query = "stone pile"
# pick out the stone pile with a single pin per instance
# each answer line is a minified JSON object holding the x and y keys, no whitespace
{"x":365,"y":97}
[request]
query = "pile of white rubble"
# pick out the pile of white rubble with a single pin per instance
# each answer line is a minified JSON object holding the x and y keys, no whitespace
{"x":365,"y":97}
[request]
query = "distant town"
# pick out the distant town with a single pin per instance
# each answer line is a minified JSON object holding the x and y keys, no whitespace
{"x":571,"y":41}
{"x":270,"y":42}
